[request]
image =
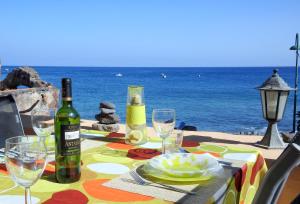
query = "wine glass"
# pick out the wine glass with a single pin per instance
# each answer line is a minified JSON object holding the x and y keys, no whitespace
{"x":42,"y":119}
{"x":163,"y":121}
{"x":25,"y":159}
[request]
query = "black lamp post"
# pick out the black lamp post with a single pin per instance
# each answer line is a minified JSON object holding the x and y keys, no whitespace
{"x":274,"y":94}
{"x":296,"y":48}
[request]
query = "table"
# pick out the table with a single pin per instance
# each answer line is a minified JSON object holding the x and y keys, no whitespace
{"x":109,"y":157}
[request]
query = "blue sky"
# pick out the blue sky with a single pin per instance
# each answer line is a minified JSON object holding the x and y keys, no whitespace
{"x":148,"y":33}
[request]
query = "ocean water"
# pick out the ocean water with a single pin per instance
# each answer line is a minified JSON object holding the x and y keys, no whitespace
{"x":212,"y":99}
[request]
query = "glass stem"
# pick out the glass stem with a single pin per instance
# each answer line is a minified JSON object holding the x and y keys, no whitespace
{"x":27,"y":196}
{"x":163,"y":147}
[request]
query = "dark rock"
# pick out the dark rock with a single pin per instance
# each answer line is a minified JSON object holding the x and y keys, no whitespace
{"x":107,"y":119}
{"x":107,"y":111}
{"x":107,"y":105}
{"x":106,"y":127}
{"x":25,"y":76}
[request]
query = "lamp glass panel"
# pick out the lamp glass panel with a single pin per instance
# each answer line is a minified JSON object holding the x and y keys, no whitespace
{"x":263,"y":102}
{"x":271,"y":98}
{"x":282,"y":102}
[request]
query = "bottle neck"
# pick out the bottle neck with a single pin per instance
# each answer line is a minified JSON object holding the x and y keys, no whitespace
{"x":67,"y":103}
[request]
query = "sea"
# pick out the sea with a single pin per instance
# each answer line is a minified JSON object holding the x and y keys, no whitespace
{"x":223,"y":99}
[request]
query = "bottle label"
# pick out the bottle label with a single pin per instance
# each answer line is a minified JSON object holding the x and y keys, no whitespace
{"x":136,"y":115}
{"x":70,"y":140}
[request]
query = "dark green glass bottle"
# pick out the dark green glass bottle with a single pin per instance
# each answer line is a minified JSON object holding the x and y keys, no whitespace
{"x":67,"y":138}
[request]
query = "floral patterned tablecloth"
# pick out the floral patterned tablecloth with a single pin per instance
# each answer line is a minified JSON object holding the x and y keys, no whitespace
{"x":112,"y":157}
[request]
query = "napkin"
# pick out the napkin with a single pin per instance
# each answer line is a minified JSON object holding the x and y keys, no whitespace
{"x":205,"y":190}
{"x":153,"y":191}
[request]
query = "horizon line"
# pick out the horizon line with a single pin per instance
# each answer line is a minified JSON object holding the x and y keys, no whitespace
{"x":80,"y":66}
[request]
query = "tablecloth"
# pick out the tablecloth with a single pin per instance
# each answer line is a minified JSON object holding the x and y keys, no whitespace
{"x":112,"y":157}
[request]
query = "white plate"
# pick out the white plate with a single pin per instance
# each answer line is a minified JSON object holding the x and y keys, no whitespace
{"x":185,"y":165}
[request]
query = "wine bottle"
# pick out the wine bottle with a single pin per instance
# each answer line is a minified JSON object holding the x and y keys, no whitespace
{"x":67,"y":138}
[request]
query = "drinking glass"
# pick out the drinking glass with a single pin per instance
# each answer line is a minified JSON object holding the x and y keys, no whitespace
{"x":163,"y":121}
{"x":173,"y":143}
{"x":42,"y":119}
{"x":25,"y":159}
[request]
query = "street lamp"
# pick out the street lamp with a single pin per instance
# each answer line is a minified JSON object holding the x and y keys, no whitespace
{"x":296,"y":48}
{"x":274,"y":93}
